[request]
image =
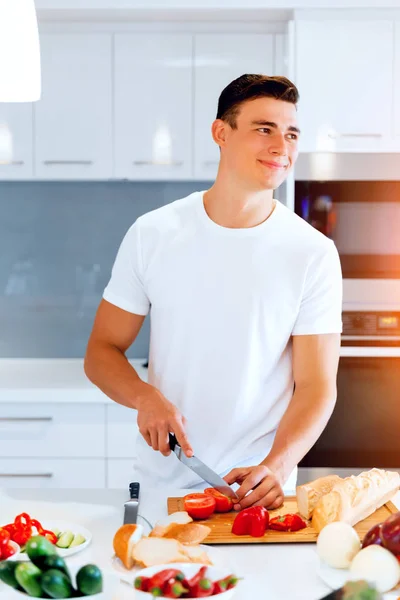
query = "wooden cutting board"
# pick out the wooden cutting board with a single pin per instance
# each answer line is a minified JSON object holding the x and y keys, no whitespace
{"x":221,"y":525}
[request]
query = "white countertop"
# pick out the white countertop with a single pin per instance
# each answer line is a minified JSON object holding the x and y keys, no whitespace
{"x":51,"y":380}
{"x":270,"y":571}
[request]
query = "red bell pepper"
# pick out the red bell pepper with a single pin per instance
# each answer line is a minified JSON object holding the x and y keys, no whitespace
{"x":202,"y":589}
{"x":251,"y":521}
{"x":289,"y":522}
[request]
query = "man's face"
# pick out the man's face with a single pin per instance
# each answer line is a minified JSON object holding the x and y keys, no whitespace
{"x":264,"y":146}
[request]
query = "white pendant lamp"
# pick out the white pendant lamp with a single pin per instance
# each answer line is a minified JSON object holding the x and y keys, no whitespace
{"x":19,"y":52}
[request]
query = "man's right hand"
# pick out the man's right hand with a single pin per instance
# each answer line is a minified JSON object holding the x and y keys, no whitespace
{"x":157,"y":417}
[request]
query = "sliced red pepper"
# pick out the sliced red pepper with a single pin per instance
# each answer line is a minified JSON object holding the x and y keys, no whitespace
{"x":251,"y":521}
{"x":290,"y":522}
{"x":22,"y":534}
{"x":38,"y":525}
{"x":7,"y":551}
{"x":22,"y":519}
{"x":4,"y":537}
{"x":202,"y":589}
{"x":50,"y":535}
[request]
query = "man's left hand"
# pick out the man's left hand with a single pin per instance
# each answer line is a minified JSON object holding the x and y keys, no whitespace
{"x":265,"y":486}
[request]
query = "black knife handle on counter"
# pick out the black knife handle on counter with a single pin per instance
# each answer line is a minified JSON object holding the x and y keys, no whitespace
{"x":134,"y":490}
{"x":172,"y":441}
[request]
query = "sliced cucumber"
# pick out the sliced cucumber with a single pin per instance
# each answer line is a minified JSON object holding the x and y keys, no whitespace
{"x":65,"y":539}
{"x":78,"y":540}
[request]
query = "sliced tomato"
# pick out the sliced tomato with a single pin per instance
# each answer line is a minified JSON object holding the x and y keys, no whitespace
{"x":224,"y":503}
{"x":199,"y":506}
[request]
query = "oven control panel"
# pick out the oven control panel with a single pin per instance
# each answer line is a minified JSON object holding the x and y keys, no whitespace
{"x":371,"y":324}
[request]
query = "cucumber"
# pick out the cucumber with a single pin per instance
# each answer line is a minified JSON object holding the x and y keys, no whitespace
{"x":38,"y":548}
{"x":65,"y":539}
{"x":57,"y":532}
{"x":78,"y":540}
{"x":89,"y":580}
{"x":56,"y":584}
{"x":28,"y":576}
{"x":56,"y":562}
{"x":7,"y":573}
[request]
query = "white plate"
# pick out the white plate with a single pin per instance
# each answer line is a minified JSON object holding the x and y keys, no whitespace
{"x":62,"y":526}
{"x":128,"y":576}
{"x":336,"y":578}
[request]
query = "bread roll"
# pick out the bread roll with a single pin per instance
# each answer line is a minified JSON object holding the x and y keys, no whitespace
{"x":309,"y":493}
{"x":162,"y":526}
{"x":355,"y":498}
{"x":151,"y":551}
{"x":190,"y":533}
{"x":124,"y":541}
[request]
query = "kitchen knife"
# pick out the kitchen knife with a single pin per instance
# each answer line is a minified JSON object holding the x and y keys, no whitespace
{"x":202,"y":470}
{"x":132,"y":505}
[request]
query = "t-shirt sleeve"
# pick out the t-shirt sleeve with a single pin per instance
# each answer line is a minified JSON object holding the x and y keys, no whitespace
{"x":321,"y":304}
{"x":125,"y":288}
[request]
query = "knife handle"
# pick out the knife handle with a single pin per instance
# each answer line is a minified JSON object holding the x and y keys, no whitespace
{"x":172,"y":441}
{"x":134,"y":490}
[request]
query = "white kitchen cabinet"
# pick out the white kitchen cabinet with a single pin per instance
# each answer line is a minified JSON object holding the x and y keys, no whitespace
{"x":120,"y":473}
{"x":153,"y":106}
{"x":51,"y":430}
{"x":344,"y":74}
{"x":218,"y":59}
{"x":52,"y":473}
{"x":122,"y":431}
{"x":73,"y":119}
{"x":18,"y":118}
{"x":396,"y":72}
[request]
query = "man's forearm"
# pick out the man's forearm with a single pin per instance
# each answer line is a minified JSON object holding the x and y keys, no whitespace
{"x":109,"y":369}
{"x":300,"y":427}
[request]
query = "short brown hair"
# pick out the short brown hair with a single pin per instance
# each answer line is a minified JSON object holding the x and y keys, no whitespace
{"x":249,"y":87}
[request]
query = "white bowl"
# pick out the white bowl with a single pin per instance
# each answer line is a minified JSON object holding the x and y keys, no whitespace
{"x":188,"y":569}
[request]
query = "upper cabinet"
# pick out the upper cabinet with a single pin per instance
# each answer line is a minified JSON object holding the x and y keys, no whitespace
{"x":218,"y":59}
{"x":73,"y":119}
{"x":153,"y":106}
{"x":344,"y":72}
{"x":18,"y":119}
{"x":396,"y":72}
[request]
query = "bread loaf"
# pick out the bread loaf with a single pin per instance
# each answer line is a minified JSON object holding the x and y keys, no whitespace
{"x":308,"y":494}
{"x":355,"y":498}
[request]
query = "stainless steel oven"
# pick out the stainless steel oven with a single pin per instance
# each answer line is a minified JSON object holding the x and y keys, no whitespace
{"x":355,"y":200}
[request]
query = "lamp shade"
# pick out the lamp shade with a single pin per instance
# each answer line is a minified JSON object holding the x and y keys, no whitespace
{"x":19,"y":52}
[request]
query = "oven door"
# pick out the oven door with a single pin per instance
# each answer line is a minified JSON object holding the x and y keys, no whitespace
{"x":364,"y":429}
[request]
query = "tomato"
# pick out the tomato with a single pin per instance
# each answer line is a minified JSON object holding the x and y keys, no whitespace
{"x":199,"y":506}
{"x":224,"y":503}
{"x":4,"y":537}
{"x":7,"y":551}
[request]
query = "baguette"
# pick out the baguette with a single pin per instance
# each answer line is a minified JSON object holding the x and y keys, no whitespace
{"x":308,"y":494}
{"x":355,"y":498}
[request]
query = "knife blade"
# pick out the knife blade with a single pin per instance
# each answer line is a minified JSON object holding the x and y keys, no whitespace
{"x":132,"y":505}
{"x":201,"y":469}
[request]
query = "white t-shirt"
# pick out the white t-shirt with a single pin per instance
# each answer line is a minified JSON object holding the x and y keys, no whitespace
{"x":223,"y":305}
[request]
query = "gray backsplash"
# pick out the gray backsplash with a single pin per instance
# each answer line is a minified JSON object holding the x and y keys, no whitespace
{"x":58,"y":241}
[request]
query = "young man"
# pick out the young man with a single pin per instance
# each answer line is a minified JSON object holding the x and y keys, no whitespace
{"x":245,"y":302}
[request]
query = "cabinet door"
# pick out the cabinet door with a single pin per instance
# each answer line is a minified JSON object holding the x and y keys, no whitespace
{"x":122,"y":431}
{"x":52,"y":473}
{"x":396,"y":72}
{"x":18,"y":118}
{"x":73,"y":119}
{"x":153,"y":106}
{"x":218,"y":60}
{"x":344,"y":76}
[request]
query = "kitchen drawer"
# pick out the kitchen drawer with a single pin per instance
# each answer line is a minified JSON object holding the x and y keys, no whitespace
{"x":122,"y":431}
{"x":119,"y":473}
{"x":56,"y":430}
{"x":52,"y":473}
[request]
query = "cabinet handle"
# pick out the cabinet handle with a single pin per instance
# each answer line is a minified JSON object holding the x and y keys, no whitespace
{"x":355,"y":135}
{"x":23,"y":419}
{"x":44,"y":475}
{"x":211,"y":163}
{"x":172,"y":163}
{"x":68,"y":162}
{"x":13,"y":163}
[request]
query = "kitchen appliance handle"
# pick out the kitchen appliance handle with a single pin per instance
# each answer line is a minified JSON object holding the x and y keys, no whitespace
{"x":158,"y":163}
{"x":354,"y":135}
{"x":13,"y":163}
{"x":31,"y":475}
{"x":25,"y":419}
{"x":67,"y":162}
